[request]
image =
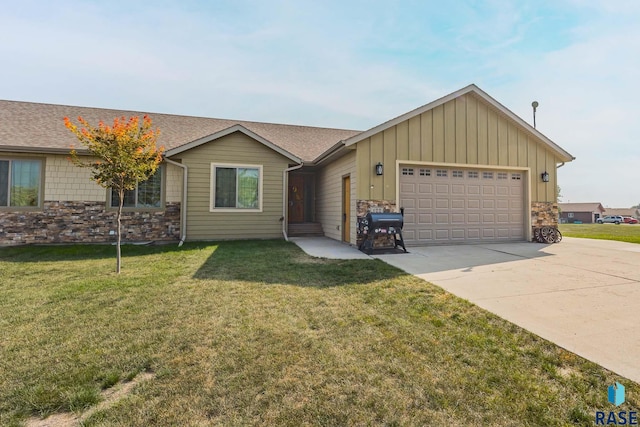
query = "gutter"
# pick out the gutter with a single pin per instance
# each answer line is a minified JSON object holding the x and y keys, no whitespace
{"x":284,"y":199}
{"x":183,"y":206}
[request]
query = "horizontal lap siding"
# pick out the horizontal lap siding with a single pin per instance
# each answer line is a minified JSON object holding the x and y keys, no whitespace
{"x":465,"y":130}
{"x":329,"y":197}
{"x":236,"y":148}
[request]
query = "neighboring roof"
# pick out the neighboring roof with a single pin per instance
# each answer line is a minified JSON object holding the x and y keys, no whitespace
{"x":581,"y":207}
{"x":621,"y":211}
{"x":35,"y":127}
{"x":564,"y":155}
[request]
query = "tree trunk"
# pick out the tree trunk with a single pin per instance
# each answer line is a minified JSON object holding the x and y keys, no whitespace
{"x":119,"y":232}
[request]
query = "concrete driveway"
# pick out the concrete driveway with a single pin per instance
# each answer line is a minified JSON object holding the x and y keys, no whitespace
{"x":581,"y":294}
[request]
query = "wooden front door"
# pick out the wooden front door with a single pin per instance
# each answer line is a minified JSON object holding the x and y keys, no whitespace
{"x":346,"y":209}
{"x":296,"y":198}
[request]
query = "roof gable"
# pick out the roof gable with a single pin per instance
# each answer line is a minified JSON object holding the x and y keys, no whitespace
{"x":472,"y":88}
{"x":228,"y":131}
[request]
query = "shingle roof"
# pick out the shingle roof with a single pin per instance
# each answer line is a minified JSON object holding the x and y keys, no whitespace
{"x":581,"y":207}
{"x":32,"y":126}
{"x":621,"y":211}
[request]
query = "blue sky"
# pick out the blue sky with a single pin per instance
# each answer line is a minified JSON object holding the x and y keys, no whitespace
{"x":347,"y":64}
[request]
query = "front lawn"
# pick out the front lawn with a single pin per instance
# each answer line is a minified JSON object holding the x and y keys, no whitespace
{"x":622,"y":232}
{"x":258,"y":333}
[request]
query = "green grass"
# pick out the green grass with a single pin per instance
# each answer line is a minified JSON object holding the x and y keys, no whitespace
{"x":622,"y":232}
{"x":258,"y":333}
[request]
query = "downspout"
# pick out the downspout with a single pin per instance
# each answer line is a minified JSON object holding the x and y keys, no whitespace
{"x":284,"y":199}
{"x":183,"y":207}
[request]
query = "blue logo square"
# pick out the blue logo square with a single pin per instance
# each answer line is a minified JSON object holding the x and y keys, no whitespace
{"x":616,"y":394}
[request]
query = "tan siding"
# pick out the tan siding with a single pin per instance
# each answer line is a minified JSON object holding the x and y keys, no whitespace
{"x":465,"y":130}
{"x":503,"y":143}
{"x":173,"y":183}
{"x":471,"y":131}
{"x":438,"y":134}
{"x":450,"y":132}
{"x":377,"y":151}
{"x":236,"y":148}
{"x":415,"y":135}
{"x":329,"y":197}
{"x":461,"y":141}
{"x":389,"y":162}
{"x":403,"y":140}
{"x":513,"y":144}
{"x":63,"y":181}
{"x":363,"y":165}
{"x":427,"y":147}
{"x":483,"y":135}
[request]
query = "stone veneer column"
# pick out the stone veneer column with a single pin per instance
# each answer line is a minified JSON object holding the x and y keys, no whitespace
{"x":544,"y":214}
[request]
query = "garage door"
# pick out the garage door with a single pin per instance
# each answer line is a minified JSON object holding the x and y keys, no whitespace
{"x":448,"y":205}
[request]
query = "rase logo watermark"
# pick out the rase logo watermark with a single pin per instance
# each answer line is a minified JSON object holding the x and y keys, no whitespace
{"x":615,"y":393}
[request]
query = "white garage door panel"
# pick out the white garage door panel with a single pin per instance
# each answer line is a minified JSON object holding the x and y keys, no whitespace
{"x":449,"y":205}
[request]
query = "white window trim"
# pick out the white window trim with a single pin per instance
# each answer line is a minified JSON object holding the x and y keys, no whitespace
{"x":212,"y":188}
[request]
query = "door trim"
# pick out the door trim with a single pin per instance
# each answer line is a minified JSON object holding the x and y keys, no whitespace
{"x":346,"y":209}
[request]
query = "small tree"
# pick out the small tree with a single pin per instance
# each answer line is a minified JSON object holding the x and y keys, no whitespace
{"x":122,"y":155}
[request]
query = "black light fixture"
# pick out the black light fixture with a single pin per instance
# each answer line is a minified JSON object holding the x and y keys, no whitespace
{"x":545,"y":176}
{"x":379,"y":169}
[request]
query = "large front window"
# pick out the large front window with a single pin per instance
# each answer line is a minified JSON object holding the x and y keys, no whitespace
{"x":20,"y":183}
{"x":236,"y":186}
{"x":148,"y":194}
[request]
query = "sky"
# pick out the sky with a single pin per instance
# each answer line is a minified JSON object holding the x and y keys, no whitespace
{"x":347,"y":64}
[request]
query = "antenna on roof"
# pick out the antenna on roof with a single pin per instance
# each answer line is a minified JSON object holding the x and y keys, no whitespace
{"x":534,"y":104}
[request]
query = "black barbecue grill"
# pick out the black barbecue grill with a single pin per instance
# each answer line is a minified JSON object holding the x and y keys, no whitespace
{"x":381,"y":224}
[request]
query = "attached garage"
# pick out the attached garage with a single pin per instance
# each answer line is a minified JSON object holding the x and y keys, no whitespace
{"x":464,"y":168}
{"x":461,"y":205}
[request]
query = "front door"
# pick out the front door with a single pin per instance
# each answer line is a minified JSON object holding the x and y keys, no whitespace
{"x":296,"y":198}
{"x":346,"y":208}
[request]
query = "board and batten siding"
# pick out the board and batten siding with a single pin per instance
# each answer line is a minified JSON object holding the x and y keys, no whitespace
{"x":463,"y":131}
{"x":329,"y":197}
{"x":236,"y":148}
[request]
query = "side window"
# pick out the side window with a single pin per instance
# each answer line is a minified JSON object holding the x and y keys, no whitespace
{"x":20,"y":183}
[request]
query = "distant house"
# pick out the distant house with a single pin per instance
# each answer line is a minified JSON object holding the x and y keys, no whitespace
{"x":463,"y":168}
{"x":632,"y":212}
{"x":586,"y":213}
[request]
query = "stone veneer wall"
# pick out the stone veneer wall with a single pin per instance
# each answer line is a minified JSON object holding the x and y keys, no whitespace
{"x":363,"y":207}
{"x":87,"y":222}
{"x":544,"y":214}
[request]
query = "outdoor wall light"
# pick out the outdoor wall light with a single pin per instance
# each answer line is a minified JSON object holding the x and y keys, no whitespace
{"x":545,"y":176}
{"x":379,"y":169}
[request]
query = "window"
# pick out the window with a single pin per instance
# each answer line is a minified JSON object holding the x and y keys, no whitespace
{"x":425,"y":172}
{"x":472,"y":174}
{"x":407,"y":171}
{"x":516,"y":176}
{"x":148,"y":194}
{"x":502,"y":175}
{"x":570,"y":215}
{"x":458,"y":174}
{"x":20,"y":183}
{"x":441,"y":172}
{"x":236,"y":187}
{"x":487,"y":175}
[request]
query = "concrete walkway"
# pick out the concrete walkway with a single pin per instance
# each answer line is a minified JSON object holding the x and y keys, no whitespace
{"x":324,"y":247}
{"x":581,"y":294}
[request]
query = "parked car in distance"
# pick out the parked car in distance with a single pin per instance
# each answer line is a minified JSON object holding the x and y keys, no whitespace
{"x":610,"y":219}
{"x":629,"y":220}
